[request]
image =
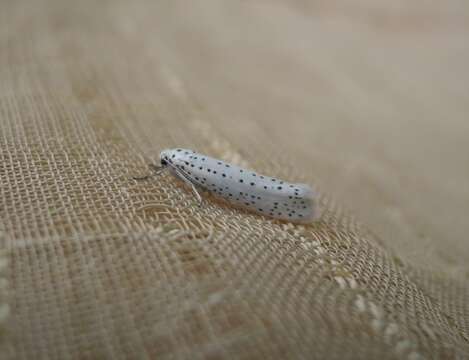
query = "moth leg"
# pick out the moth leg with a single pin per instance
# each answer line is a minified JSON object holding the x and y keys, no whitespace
{"x":197,"y":195}
{"x":183,"y":177}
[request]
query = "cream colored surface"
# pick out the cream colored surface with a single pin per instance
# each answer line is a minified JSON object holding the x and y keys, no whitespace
{"x":373,"y":98}
{"x":366,"y":99}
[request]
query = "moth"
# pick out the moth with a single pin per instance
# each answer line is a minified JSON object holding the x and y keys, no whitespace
{"x":241,"y":187}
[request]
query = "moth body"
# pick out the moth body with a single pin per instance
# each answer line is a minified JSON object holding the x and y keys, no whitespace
{"x":245,"y":188}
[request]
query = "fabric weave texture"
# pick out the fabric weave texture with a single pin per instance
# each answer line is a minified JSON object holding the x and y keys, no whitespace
{"x":96,"y":265}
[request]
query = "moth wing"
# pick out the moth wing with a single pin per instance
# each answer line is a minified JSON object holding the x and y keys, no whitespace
{"x":311,"y":199}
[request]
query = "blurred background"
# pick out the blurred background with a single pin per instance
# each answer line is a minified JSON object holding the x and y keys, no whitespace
{"x":366,"y":99}
{"x":372,"y":96}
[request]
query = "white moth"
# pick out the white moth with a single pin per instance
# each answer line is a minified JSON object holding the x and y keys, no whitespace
{"x":242,"y":187}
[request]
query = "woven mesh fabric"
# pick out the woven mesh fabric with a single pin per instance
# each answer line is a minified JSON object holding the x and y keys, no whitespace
{"x":95,"y":265}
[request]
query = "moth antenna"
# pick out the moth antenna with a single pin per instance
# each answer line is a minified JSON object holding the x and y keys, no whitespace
{"x":157,"y":170}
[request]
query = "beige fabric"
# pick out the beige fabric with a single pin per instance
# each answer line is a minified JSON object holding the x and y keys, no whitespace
{"x":366,"y":99}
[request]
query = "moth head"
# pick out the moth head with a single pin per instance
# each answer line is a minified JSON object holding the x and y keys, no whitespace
{"x":165,"y":157}
{"x":175,"y":157}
